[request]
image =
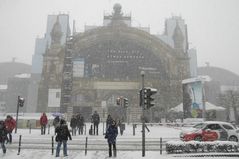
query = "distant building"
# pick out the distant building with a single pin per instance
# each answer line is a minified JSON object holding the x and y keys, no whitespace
{"x":10,"y":69}
{"x":170,"y":38}
{"x":42,"y":44}
{"x":17,"y":86}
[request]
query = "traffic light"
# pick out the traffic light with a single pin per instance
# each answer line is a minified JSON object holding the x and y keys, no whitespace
{"x":126,"y":102}
{"x":142,"y":97}
{"x":21,"y":101}
{"x":148,"y":96}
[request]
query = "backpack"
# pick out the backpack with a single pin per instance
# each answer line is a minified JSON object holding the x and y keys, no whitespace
{"x":2,"y":125}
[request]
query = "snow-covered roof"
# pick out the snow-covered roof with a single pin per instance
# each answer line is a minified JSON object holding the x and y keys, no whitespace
{"x":208,"y":106}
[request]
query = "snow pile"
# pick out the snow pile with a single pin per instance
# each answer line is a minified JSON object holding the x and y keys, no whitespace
{"x":196,"y":146}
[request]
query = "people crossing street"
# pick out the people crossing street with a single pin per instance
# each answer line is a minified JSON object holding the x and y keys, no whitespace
{"x":80,"y":124}
{"x":111,"y":135}
{"x":62,"y":135}
{"x":10,"y":124}
{"x":43,"y":123}
{"x":73,"y":124}
{"x":95,"y":119}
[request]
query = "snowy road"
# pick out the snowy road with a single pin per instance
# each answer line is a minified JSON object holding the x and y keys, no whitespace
{"x":36,"y":146}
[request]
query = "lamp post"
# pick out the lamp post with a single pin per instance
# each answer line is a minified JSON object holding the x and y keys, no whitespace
{"x":18,"y":98}
{"x":203,"y":102}
{"x":143,"y":116}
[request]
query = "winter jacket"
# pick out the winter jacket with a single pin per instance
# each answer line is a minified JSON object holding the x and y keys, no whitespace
{"x":95,"y":118}
{"x":10,"y":124}
{"x":3,"y":132}
{"x":80,"y":121}
{"x":73,"y":123}
{"x":43,"y":120}
{"x":62,"y":133}
{"x":111,"y":134}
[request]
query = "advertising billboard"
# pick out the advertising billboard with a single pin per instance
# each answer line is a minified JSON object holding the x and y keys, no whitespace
{"x":193,"y":99}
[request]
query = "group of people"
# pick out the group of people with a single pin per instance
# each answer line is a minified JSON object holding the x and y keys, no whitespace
{"x":6,"y":128}
{"x":62,"y":132}
{"x":77,"y":123}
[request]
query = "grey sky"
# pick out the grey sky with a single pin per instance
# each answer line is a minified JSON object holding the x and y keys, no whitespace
{"x":213,"y":25}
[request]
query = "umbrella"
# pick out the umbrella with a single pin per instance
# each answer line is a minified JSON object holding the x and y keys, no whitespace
{"x":55,"y":114}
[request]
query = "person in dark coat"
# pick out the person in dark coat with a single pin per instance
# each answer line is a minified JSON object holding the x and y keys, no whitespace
{"x":108,"y":121}
{"x":111,"y":134}
{"x":62,"y":135}
{"x":81,"y":123}
{"x":43,"y":123}
{"x":73,"y":125}
{"x":3,"y":136}
{"x":95,"y":119}
{"x":10,"y":124}
{"x":56,"y":122}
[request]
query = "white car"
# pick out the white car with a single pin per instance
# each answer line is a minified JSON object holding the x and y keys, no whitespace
{"x":211,"y":131}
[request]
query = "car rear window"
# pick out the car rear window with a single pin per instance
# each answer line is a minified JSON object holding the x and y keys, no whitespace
{"x":228,"y":127}
{"x":199,"y":126}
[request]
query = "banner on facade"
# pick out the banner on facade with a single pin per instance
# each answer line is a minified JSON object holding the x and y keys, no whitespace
{"x":192,"y":99}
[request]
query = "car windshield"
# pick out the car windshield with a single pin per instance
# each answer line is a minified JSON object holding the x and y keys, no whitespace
{"x":199,"y":126}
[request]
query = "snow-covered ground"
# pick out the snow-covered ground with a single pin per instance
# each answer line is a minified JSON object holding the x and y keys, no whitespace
{"x":156,"y":131}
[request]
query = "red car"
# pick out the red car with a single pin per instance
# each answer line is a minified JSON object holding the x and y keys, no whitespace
{"x":210,"y":131}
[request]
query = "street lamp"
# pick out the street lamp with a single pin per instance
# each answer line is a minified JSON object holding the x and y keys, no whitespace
{"x":143,"y":115}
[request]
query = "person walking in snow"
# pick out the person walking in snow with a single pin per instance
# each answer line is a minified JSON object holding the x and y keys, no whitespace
{"x":111,"y":134}
{"x":43,"y":123}
{"x":95,"y":119}
{"x":62,"y":135}
{"x":10,"y":124}
{"x":3,"y":136}
{"x":73,"y":125}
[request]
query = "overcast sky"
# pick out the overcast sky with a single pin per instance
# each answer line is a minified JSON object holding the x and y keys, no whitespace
{"x":213,"y":25}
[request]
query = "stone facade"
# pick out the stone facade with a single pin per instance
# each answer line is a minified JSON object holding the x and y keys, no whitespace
{"x":112,"y":58}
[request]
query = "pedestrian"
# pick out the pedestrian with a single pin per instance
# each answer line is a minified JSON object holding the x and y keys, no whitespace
{"x":108,"y":121}
{"x":95,"y":119}
{"x":73,"y":125}
{"x":111,"y":135}
{"x":81,"y":124}
{"x":121,"y":127}
{"x":43,"y":123}
{"x":56,"y":122}
{"x":10,"y":124}
{"x":62,"y":135}
{"x":3,"y":136}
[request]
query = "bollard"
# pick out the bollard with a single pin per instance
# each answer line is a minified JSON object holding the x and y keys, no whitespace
{"x":161,"y":145}
{"x":133,"y":129}
{"x":30,"y":128}
{"x":52,"y":145}
{"x":19,"y":146}
{"x":49,"y":126}
{"x":103,"y":128}
{"x":86,"y":142}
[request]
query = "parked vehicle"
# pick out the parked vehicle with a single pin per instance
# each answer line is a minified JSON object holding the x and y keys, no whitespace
{"x":211,"y":131}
